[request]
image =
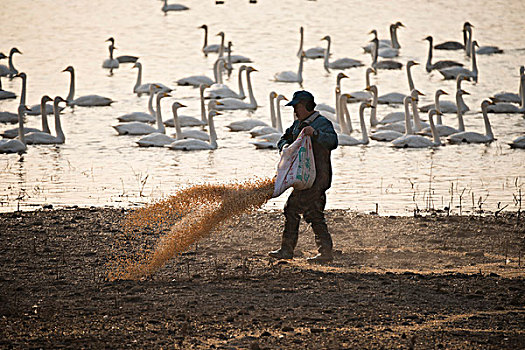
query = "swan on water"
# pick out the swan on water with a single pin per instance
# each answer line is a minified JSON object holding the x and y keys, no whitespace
{"x":197,"y":145}
{"x":233,"y":104}
{"x":197,"y":80}
{"x":417,"y":124}
{"x":385,"y":43}
{"x":445,"y":130}
{"x":417,"y":141}
{"x":449,"y":106}
{"x":143,"y":117}
{"x":453,"y":45}
{"x":212,"y":48}
{"x":453,"y":72}
{"x":267,"y":141}
{"x":44,"y":137}
{"x":518,"y":142}
{"x":291,"y":77}
{"x":16,"y":145}
{"x":186,"y":120}
{"x":324,"y":107}
{"x":341,"y":63}
{"x":223,"y":91}
{"x":362,"y":95}
{"x":265,"y":129}
{"x":389,"y":134}
{"x":248,"y":124}
{"x":397,"y":97}
{"x":312,"y":53}
{"x":482,"y":50}
{"x":347,"y":140}
{"x":84,"y":101}
{"x":9,"y":71}
{"x":439,"y":64}
{"x":110,"y":63}
{"x":137,"y":128}
{"x":123,"y":58}
{"x":384,"y":64}
{"x":503,"y":107}
{"x":140,"y":88}
{"x":160,"y":139}
{"x":197,"y":134}
{"x":474,"y":137}
{"x":373,"y":107}
{"x":173,"y":7}
{"x":5,"y":95}
{"x":506,"y":96}
{"x":8,"y":117}
{"x":231,"y":59}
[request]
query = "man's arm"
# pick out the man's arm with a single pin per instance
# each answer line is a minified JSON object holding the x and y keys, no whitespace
{"x":325,"y":134}
{"x":286,"y":139}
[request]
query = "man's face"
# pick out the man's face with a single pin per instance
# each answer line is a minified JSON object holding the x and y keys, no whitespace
{"x":300,"y":111}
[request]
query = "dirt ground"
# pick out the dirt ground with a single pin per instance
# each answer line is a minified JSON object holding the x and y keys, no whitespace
{"x":397,"y":282}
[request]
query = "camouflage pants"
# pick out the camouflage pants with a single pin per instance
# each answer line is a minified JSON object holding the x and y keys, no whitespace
{"x":310,"y":203}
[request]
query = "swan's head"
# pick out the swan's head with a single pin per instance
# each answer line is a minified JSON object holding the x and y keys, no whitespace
{"x":373,"y":31}
{"x":221,"y":34}
{"x":522,"y":70}
{"x":241,"y":68}
{"x":214,"y":103}
{"x":177,"y":105}
{"x":467,"y":25}
{"x":485,"y":104}
{"x":203,"y":86}
{"x":412,"y":63}
{"x":462,"y":92}
{"x":14,"y":50}
{"x":415,"y":93}
{"x":162,"y":94}
{"x":370,"y":70}
{"x":204,"y":26}
{"x":345,"y":97}
{"x":429,"y":38}
{"x":341,"y":76}
{"x":432,"y":112}
{"x":280,"y":98}
{"x":440,"y":92}
{"x":250,"y":69}
{"x":137,"y":65}
{"x":45,"y":99}
{"x":399,"y":24}
{"x":273,"y":94}
{"x":327,"y":38}
{"x":372,"y":89}
{"x":475,"y":44}
{"x":301,"y":30}
{"x":110,"y":39}
{"x":2,"y":56}
{"x":69,"y":69}
{"x":57,"y":100}
{"x":213,"y":113}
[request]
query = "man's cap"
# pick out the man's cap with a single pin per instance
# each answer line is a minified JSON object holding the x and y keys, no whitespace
{"x":300,"y":96}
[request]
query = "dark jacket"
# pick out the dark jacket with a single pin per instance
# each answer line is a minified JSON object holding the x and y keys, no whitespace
{"x":324,"y":141}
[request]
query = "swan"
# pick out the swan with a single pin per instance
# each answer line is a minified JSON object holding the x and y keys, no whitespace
{"x":373,"y":111}
{"x":397,"y":97}
{"x":270,"y":140}
{"x":453,"y":45}
{"x":518,"y":142}
{"x":173,"y":7}
{"x":15,"y":145}
{"x":197,"y":134}
{"x":508,"y":107}
{"x":385,"y":64}
{"x":143,"y":117}
{"x":474,"y":137}
{"x":185,"y":120}
{"x":10,"y":71}
{"x":312,"y":53}
{"x":45,"y":137}
{"x":417,"y":124}
{"x":453,"y":72}
{"x":213,"y":48}
{"x":35,"y":109}
{"x":8,"y":117}
{"x":217,"y":91}
{"x":249,"y":124}
{"x":160,"y":139}
{"x":385,"y":43}
{"x":111,"y":63}
{"x":444,"y":130}
{"x":482,"y":50}
{"x":235,"y":58}
{"x":140,"y":88}
{"x":289,"y":76}
{"x":449,"y":106}
{"x":196,"y":145}
{"x":341,"y":63}
{"x":136,"y":128}
{"x":233,"y":104}
{"x":265,"y":130}
{"x":84,"y":101}
{"x":347,"y":140}
{"x":506,"y":96}
{"x":418,"y":141}
{"x":327,"y":108}
{"x":197,"y":80}
{"x":439,"y":64}
{"x":362,"y":95}
{"x":5,"y":95}
{"x":388,"y":134}
{"x":123,"y":58}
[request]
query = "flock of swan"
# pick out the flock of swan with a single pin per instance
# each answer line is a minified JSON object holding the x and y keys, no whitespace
{"x":401,"y":129}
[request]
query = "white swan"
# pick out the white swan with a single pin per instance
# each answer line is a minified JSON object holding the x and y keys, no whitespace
{"x":482,"y":50}
{"x":140,"y":88}
{"x":278,"y":128}
{"x":474,"y":137}
{"x":417,"y":124}
{"x":312,"y":53}
{"x":233,"y":104}
{"x":267,"y":141}
{"x":449,"y":106}
{"x":45,"y":138}
{"x":453,"y":45}
{"x":453,"y":72}
{"x":197,"y":145}
{"x":347,"y":140}
{"x":9,"y":71}
{"x":385,"y":43}
{"x":123,"y":58}
{"x":231,"y":59}
{"x":519,"y":142}
{"x":506,"y":96}
{"x":186,"y":120}
{"x":249,"y":124}
{"x":445,"y":130}
{"x":173,"y":7}
{"x":197,"y":80}
{"x":363,"y":95}
{"x":212,"y":48}
{"x":136,"y":128}
{"x":385,"y":64}
{"x":389,"y":134}
{"x":341,"y":63}
{"x":13,"y":145}
{"x":5,"y":95}
{"x":110,"y":63}
{"x":143,"y":117}
{"x":324,"y":107}
{"x":223,"y":91}
{"x":439,"y":64}
{"x":8,"y":118}
{"x":84,"y":101}
{"x":197,"y":134}
{"x":397,"y":97}
{"x":160,"y":139}
{"x":373,"y":107}
{"x":508,"y":107}
{"x":417,"y":141}
{"x":289,"y":76}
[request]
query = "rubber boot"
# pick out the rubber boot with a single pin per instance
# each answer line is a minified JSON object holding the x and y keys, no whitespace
{"x":323,"y":240}
{"x":288,"y":242}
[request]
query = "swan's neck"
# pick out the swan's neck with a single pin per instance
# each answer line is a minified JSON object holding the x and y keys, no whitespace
{"x":111,"y":48}
{"x":150,"y":103}
{"x":160,"y":124}
{"x":522,"y":92}
{"x":139,"y":76}
{"x":367,"y":78}
{"x":301,"y":44}
{"x":408,"y":126}
{"x":23,"y":93}
{"x":21,"y":127}
{"x":11,"y":66}
{"x":203,"y":106}
{"x":474,"y":64}
{"x":393,"y":37}
{"x":253,"y":103}
{"x":465,"y":40}
{"x":415,"y":112}
{"x":435,"y":135}
{"x":58,"y":126}
{"x":429,"y":58}
{"x":279,"y":120}
{"x":241,"y":86}
{"x":45,"y":125}
{"x":327,"y":55}
{"x":229,"y":67}
{"x":363,"y":125}
{"x":300,"y":70}
{"x":272,"y":111}
{"x":461,"y":125}
{"x":488,"y":128}
{"x":344,"y":116}
{"x":205,"y":37}
{"x":221,"y":48}
{"x":337,"y":105}
{"x":178,"y":129}
{"x":213,"y":134}
{"x":217,"y":71}
{"x":373,"y":112}
{"x":410,"y":80}
{"x":375,"y":53}
{"x":437,"y":106}
{"x":469,"y":42}
{"x":71,"y":94}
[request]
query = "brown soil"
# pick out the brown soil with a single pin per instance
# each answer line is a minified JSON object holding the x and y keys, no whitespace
{"x":397,"y":282}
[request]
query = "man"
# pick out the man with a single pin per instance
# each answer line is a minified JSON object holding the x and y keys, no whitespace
{"x":309,"y":202}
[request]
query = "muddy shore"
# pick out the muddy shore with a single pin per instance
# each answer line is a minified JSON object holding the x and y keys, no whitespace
{"x":429,"y":282}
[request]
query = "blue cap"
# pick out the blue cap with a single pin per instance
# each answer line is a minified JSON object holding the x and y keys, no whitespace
{"x":301,"y":96}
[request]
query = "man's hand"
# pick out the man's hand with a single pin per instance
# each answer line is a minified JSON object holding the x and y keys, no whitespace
{"x":308,"y":130}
